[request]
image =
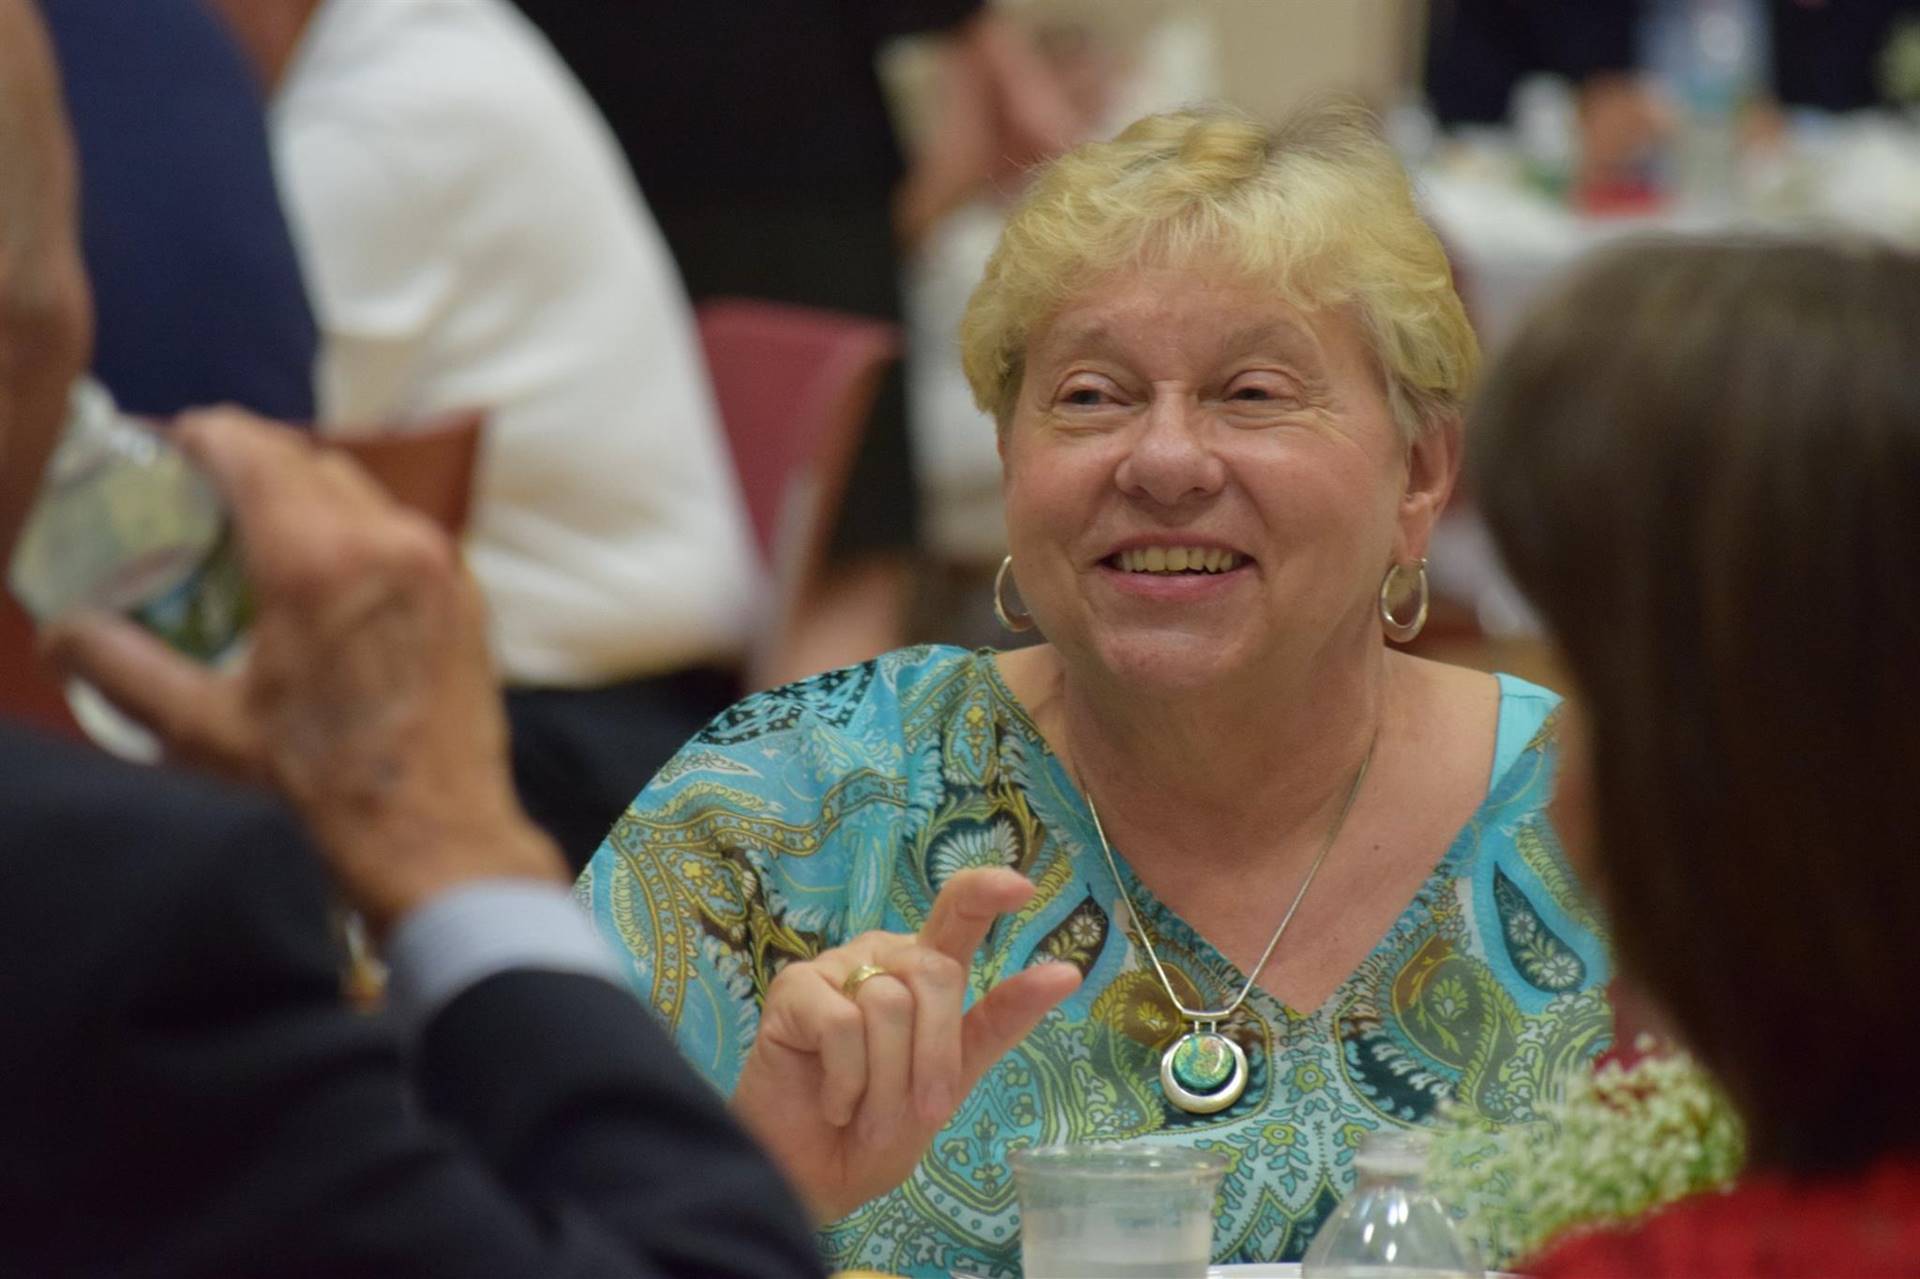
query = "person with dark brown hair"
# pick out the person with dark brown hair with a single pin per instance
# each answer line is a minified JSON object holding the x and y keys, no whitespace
{"x":1702,"y":462}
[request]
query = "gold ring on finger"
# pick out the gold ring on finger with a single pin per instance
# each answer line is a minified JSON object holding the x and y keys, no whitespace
{"x":859,"y":977}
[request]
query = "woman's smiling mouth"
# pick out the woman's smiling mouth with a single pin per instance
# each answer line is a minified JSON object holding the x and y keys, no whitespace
{"x":1175,"y":559}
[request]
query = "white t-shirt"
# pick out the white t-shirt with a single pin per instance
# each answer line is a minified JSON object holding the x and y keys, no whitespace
{"x":473,"y":239}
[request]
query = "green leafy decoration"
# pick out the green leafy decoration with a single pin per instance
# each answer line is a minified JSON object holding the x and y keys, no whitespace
{"x":1617,"y":1144}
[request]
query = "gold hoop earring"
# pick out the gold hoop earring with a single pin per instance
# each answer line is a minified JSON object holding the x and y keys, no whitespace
{"x":1398,"y":631}
{"x":1015,"y":620}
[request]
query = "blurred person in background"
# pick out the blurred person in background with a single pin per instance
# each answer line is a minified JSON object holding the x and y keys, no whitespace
{"x":1830,"y":55}
{"x":1226,"y":364}
{"x":186,"y":1092}
{"x":473,"y":240}
{"x":760,"y":136}
{"x":198,"y":296}
{"x":1479,"y":51}
{"x":1702,"y":464}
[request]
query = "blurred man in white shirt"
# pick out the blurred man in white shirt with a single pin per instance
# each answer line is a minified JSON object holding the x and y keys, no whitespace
{"x":473,"y":239}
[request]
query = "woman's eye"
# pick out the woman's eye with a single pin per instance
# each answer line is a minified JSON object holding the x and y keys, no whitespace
{"x":1263,"y":391}
{"x":1085,"y":396}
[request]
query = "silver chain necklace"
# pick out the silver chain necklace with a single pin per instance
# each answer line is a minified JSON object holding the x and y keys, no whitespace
{"x":1205,"y":1071}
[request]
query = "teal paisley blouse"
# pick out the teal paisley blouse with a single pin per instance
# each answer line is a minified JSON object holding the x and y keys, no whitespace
{"x":811,"y":813}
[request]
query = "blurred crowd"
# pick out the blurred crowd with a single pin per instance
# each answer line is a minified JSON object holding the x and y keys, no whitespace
{"x":433,"y":208}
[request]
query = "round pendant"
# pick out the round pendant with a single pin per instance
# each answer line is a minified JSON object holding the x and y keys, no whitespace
{"x":1203,"y":1072}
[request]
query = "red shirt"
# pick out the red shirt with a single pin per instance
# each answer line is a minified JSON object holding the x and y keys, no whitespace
{"x":1766,"y":1227}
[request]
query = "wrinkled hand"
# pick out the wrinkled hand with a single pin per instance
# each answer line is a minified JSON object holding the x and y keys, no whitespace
{"x":366,"y":696}
{"x":1038,"y":117}
{"x":847,"y":1094}
{"x":959,"y":153}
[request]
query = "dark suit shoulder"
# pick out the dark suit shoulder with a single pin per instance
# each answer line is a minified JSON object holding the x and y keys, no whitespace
{"x":105,"y":860}
{"x":164,"y":956}
{"x":183,"y":1093}
{"x":590,"y":1091}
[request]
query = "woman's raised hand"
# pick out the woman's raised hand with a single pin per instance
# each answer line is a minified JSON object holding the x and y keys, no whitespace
{"x":847,"y":1087}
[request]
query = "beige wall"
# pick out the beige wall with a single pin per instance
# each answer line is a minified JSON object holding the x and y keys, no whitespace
{"x":1275,"y":52}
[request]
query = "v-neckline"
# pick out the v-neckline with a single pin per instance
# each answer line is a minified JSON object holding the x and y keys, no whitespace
{"x":1065,"y":799}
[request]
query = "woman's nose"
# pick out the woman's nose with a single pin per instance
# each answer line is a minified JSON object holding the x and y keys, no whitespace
{"x":1170,"y":460}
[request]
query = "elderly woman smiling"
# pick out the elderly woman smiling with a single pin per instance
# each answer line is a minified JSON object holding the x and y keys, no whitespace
{"x":1214,"y":865}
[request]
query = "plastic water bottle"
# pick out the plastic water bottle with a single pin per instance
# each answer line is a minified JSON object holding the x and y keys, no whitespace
{"x":1720,"y":71}
{"x":1391,"y":1226}
{"x":1546,"y":128}
{"x":124,"y":522}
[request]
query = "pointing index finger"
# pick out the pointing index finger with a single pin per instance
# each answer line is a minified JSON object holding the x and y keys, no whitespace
{"x":290,"y":498}
{"x":967,"y":906}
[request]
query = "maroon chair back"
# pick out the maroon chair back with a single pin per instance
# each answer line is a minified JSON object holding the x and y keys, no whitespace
{"x":429,"y":466}
{"x":794,"y":385}
{"x":28,"y":692}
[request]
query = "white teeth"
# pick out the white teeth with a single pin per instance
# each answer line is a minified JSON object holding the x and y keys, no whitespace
{"x":1178,"y":559}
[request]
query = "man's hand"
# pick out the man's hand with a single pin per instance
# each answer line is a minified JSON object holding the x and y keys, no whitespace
{"x":366,"y":696}
{"x":1000,"y":107}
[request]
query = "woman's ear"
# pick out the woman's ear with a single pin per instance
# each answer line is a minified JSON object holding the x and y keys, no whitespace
{"x":1433,"y":465}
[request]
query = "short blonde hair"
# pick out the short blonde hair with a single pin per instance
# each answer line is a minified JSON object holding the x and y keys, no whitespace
{"x":1319,"y":207}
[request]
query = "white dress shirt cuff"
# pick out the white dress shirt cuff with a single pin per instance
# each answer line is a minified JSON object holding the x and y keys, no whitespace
{"x":467,"y":934}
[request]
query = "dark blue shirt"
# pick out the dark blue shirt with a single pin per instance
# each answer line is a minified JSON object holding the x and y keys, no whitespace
{"x":197,"y":290}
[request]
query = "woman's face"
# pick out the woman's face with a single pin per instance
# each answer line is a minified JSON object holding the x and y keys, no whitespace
{"x":1203,"y":482}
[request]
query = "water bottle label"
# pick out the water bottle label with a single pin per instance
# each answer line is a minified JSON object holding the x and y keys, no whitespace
{"x":208,"y":610}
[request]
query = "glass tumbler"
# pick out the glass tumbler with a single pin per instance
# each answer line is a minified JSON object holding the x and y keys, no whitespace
{"x":1116,"y":1211}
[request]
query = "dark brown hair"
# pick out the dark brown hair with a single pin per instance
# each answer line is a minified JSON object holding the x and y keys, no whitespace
{"x":1702,"y":463}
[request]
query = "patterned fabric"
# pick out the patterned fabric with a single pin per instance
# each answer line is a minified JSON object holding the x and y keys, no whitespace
{"x":811,"y":813}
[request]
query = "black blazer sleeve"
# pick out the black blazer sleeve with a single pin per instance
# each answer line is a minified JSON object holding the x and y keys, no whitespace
{"x":563,"y":1087}
{"x":182,"y":1091}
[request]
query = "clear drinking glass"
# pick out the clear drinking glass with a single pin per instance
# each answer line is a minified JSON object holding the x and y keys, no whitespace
{"x":1116,"y":1211}
{"x":1390,"y":1226}
{"x":126,"y":523}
